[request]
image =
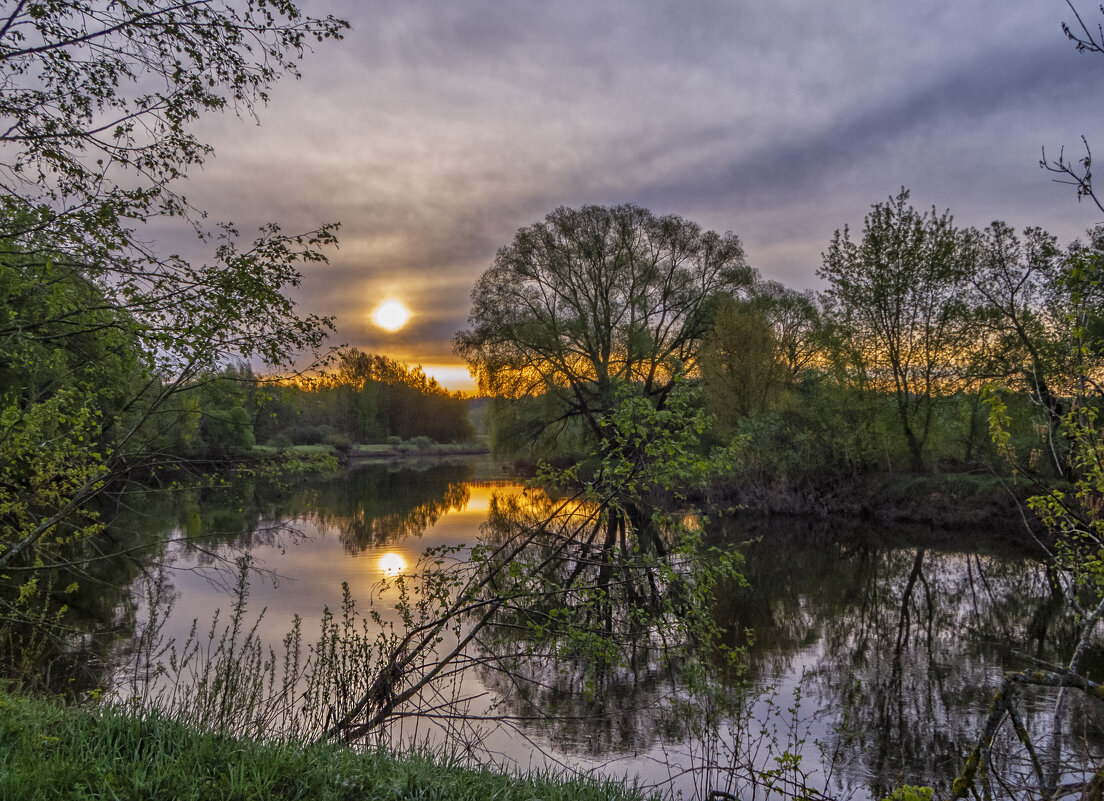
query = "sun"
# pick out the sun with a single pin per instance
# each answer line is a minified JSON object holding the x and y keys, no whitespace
{"x":391,"y":315}
{"x":391,"y":564}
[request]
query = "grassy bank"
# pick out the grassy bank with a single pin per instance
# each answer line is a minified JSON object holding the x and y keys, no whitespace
{"x":416,"y":448}
{"x":51,"y":751}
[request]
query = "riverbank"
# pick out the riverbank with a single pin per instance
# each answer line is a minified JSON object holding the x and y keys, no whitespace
{"x":412,"y":450}
{"x":954,"y":500}
{"x":48,"y":750}
{"x":951,"y":500}
{"x":316,"y":457}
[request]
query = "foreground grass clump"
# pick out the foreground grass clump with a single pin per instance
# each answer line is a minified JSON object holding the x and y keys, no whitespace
{"x":56,"y":752}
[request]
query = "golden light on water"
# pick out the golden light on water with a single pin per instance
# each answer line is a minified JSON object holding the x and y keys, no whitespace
{"x":391,"y":564}
{"x":391,"y":315}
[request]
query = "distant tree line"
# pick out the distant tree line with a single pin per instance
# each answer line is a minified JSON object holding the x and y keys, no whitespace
{"x":367,"y":399}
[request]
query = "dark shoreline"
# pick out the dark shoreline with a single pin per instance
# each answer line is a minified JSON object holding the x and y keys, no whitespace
{"x":962,"y":501}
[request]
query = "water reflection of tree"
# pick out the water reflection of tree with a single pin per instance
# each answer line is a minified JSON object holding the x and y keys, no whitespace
{"x":86,"y":614}
{"x":367,"y":506}
{"x":907,"y":643}
{"x":372,"y":506}
{"x":598,"y":650}
{"x":587,"y":635}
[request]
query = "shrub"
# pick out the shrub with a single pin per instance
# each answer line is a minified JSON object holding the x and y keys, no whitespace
{"x":339,"y":442}
{"x":305,"y":435}
{"x":281,"y":441}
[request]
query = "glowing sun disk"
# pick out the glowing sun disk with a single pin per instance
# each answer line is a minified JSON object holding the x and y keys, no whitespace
{"x":391,"y":315}
{"x":391,"y":564}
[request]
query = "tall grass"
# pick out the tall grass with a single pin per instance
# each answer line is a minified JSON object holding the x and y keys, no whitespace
{"x":223,"y":678}
{"x":48,"y":751}
{"x":223,"y":715}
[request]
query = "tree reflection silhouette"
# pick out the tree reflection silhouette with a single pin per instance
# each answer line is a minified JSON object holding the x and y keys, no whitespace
{"x":367,"y":506}
{"x":899,"y":647}
{"x":902,"y":646}
{"x":373,"y":507}
{"x":593,"y":650}
{"x":73,"y":640}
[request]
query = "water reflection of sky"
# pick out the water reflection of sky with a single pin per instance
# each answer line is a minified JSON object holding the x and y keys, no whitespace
{"x":827,"y":615}
{"x":302,"y":572}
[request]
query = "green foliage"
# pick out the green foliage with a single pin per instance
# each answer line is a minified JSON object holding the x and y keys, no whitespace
{"x":48,"y":460}
{"x":1075,"y":516}
{"x":756,"y":351}
{"x":795,"y":320}
{"x":647,"y":451}
{"x":910,"y":792}
{"x":369,"y":398}
{"x":227,"y":430}
{"x":594,"y":297}
{"x":894,"y":301}
{"x":70,"y":364}
{"x":740,"y":372}
{"x":532,"y":429}
{"x":821,"y":429}
{"x":1081,"y":284}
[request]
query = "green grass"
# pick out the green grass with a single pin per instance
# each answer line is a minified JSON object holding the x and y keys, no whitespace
{"x":310,"y":450}
{"x":382,"y":449}
{"x":413,"y":448}
{"x":48,"y":751}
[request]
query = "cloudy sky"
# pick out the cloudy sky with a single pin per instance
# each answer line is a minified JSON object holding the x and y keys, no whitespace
{"x":435,"y":130}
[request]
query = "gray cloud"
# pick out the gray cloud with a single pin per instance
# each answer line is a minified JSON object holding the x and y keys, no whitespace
{"x":435,"y":130}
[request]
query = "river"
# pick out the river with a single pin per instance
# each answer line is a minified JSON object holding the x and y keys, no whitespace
{"x":871,"y":652}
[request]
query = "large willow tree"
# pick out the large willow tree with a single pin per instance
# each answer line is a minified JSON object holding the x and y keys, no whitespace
{"x":592,"y":298}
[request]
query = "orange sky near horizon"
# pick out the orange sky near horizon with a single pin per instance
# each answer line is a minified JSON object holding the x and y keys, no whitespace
{"x":388,"y":318}
{"x":454,"y":377}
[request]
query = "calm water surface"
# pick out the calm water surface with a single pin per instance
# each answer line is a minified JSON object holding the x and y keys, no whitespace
{"x":873,"y":652}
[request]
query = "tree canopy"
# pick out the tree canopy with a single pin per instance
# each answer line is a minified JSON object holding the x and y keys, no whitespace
{"x":894,"y":297}
{"x":98,"y":329}
{"x":93,"y":88}
{"x":95,"y":129}
{"x":592,"y":297}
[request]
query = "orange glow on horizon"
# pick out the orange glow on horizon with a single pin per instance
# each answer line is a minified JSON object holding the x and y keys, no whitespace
{"x":453,"y":377}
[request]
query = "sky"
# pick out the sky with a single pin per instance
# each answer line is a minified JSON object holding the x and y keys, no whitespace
{"x":434,"y":131}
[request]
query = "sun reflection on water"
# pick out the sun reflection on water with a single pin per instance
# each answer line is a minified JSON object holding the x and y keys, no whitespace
{"x":391,"y":564}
